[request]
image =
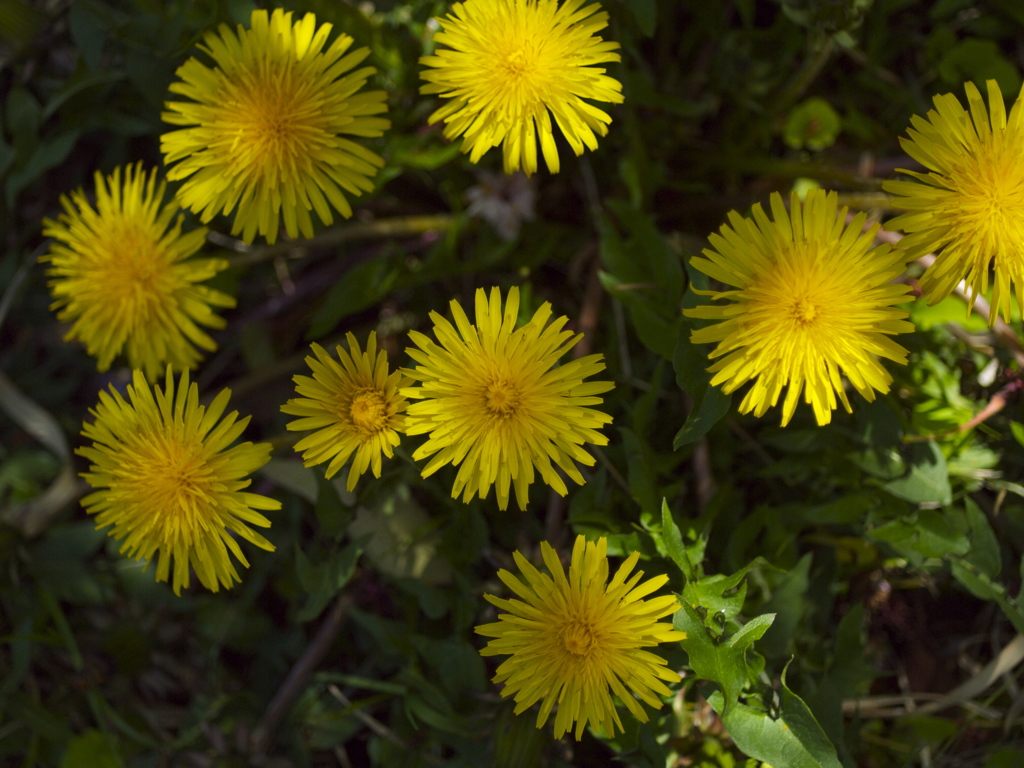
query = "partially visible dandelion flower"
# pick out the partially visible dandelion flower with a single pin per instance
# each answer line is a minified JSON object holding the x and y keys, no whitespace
{"x":495,"y":401}
{"x":170,"y":485}
{"x":121,"y":275}
{"x":574,"y":642}
{"x":354,"y":405}
{"x":267,"y":126}
{"x":969,"y":207}
{"x":512,"y":65}
{"x":813,"y":302}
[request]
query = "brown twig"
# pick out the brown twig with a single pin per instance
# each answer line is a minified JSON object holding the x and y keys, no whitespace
{"x":263,"y":734}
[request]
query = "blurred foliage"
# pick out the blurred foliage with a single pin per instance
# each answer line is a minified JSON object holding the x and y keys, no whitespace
{"x":846,"y":588}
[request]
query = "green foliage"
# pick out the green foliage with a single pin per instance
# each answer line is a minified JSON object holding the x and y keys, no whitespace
{"x":827,"y":576}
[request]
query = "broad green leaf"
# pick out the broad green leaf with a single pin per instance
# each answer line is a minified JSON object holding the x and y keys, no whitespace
{"x":794,"y":739}
{"x":928,"y":480}
{"x":926,"y":533}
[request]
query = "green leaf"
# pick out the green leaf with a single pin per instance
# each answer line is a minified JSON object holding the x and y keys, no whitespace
{"x":722,"y":663}
{"x":322,"y":582}
{"x":709,"y":592}
{"x":642,"y":478}
{"x":981,"y":586}
{"x":984,"y":551}
{"x":928,"y":480}
{"x":23,"y":115}
{"x":793,"y":739}
{"x":91,"y":748}
{"x":361,"y":287}
{"x":979,"y":60}
{"x":787,"y":603}
{"x":331,"y":513}
{"x":702,"y":417}
{"x":646,"y":14}
{"x":687,"y":558}
{"x":927,"y":533}
{"x":88,"y":32}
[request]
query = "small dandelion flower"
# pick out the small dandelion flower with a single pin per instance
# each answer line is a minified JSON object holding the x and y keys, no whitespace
{"x":510,"y":65}
{"x":494,"y":401}
{"x":121,"y":275}
{"x":168,"y":482}
{"x":267,"y":126}
{"x":571,"y":640}
{"x":969,"y":207}
{"x":813,"y":300}
{"x":354,"y":405}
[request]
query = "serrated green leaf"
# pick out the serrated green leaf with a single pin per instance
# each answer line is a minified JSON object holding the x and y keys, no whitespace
{"x":709,"y":592}
{"x":722,"y":663}
{"x":672,"y":540}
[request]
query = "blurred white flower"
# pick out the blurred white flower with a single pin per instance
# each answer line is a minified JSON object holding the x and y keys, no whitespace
{"x":503,"y":201}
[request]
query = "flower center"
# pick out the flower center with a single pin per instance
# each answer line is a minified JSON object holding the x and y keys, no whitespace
{"x":516,"y":63}
{"x":578,"y":638}
{"x":804,"y":310}
{"x":501,"y":398}
{"x":369,"y":411}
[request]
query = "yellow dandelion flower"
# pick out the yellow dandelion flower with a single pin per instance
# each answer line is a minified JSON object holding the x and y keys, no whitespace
{"x":969,"y":207}
{"x":813,"y":300}
{"x":168,"y":483}
{"x":494,"y":400}
{"x":121,"y":275}
{"x":267,"y":125}
{"x":510,"y":65}
{"x":571,"y":640}
{"x":354,"y":405}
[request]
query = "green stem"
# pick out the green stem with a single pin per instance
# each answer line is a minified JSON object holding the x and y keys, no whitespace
{"x":402,"y":226}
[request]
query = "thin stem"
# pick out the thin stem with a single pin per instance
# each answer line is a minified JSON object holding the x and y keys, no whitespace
{"x":381,"y":229}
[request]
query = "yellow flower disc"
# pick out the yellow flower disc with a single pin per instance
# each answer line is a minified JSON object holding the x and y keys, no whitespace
{"x":496,"y":404}
{"x":168,"y":482}
{"x":813,"y":301}
{"x":512,"y":65}
{"x":576,"y":641}
{"x":354,"y":405}
{"x":969,"y":207}
{"x":121,"y":275}
{"x":267,"y":124}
